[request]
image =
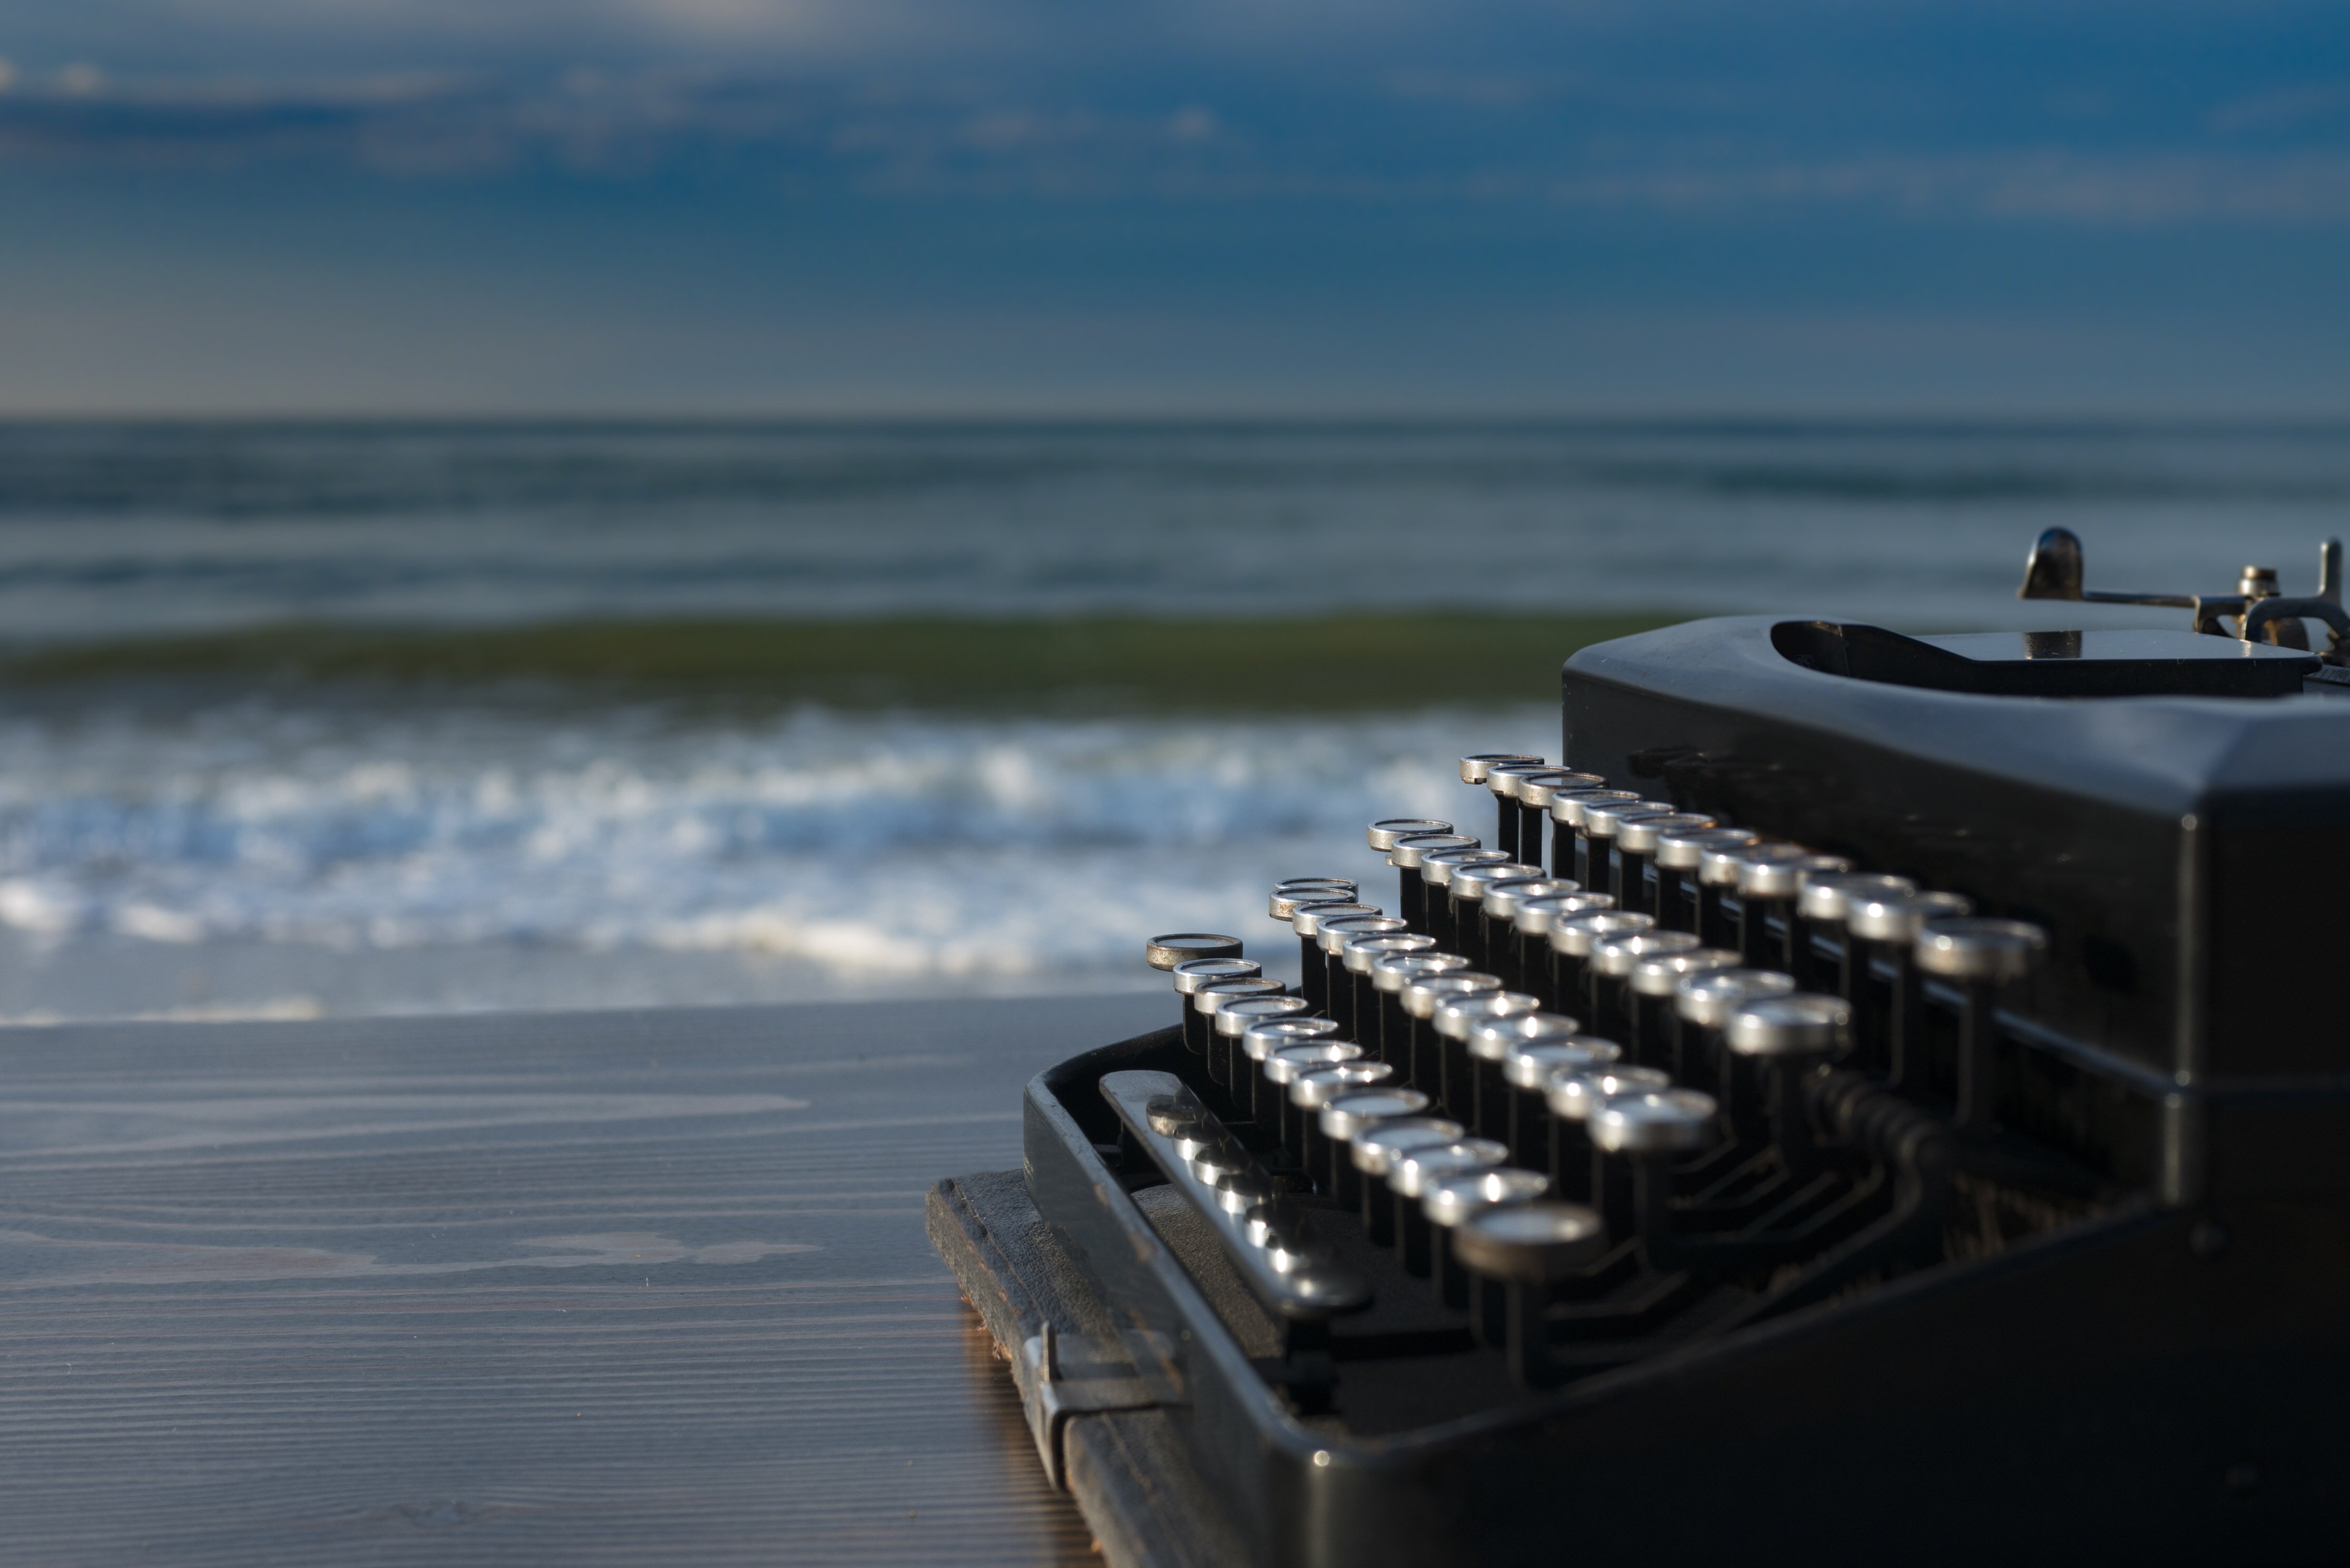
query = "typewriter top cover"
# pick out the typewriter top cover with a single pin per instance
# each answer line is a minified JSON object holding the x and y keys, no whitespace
{"x":1867,"y":1094}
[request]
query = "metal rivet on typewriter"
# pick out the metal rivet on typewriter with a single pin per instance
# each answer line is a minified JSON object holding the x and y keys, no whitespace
{"x":1374,"y":1148}
{"x":1412,"y":1171}
{"x":1389,"y":977}
{"x":1337,"y":986}
{"x":1650,"y":889}
{"x":1233,"y":1020}
{"x":1688,"y":904}
{"x":1370,"y":1011}
{"x":1452,"y":1021}
{"x":1638,"y":1137}
{"x":1526,"y":1248}
{"x":1826,"y":904}
{"x":1607,"y":972}
{"x":1887,"y":928}
{"x":1466,"y":887}
{"x":1567,"y":808}
{"x":1505,"y":780}
{"x":1790,"y":1036}
{"x":1602,"y":820}
{"x":1506,"y":949}
{"x":1436,"y":871}
{"x":1453,"y":1200}
{"x":1649,"y":994}
{"x":1571,"y":938}
{"x":1306,"y":919}
{"x":1423,"y":1065}
{"x":1527,"y":1067}
{"x":1702,"y":1004}
{"x":1345,"y":1116}
{"x":1404,"y":854}
{"x":1262,"y":1039}
{"x":1982,"y":956}
{"x":1770,"y":879}
{"x":1536,"y":793}
{"x":1310,"y":1091}
{"x":1190,"y":974}
{"x":1571,"y":1096}
{"x":1281,"y":1066}
{"x":1384,"y":832}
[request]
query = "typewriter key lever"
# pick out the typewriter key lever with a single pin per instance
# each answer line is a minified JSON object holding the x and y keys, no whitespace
{"x":1526,"y":1248}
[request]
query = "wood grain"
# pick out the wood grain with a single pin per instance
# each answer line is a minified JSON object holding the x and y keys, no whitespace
{"x":616,"y":1287}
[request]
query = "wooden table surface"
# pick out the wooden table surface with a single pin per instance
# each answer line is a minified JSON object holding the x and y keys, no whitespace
{"x":521,"y":1288}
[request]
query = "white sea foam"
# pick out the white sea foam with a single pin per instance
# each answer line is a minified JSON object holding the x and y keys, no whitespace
{"x":951,"y":852}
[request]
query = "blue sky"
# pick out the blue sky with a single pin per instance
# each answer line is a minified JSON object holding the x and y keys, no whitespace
{"x":675,"y":206}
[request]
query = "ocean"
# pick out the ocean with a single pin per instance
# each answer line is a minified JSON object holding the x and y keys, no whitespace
{"x":242,"y":840}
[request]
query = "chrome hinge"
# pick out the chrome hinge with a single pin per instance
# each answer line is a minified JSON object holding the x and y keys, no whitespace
{"x":1065,"y":1375}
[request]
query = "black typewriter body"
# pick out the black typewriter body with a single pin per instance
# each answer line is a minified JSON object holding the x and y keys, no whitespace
{"x":2064,"y":1277}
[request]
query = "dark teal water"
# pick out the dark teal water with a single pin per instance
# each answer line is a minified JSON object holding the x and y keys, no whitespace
{"x":114,"y":529}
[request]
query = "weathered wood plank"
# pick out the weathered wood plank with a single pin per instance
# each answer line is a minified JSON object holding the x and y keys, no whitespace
{"x":601,"y":1287}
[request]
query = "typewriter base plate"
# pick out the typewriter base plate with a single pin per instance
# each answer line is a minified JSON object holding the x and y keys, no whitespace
{"x":1124,"y":1468}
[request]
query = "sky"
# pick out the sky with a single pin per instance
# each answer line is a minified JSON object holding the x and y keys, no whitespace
{"x":675,"y":207}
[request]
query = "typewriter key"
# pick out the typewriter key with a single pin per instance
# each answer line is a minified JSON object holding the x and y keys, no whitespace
{"x":1467,"y":886}
{"x":1232,"y":1020}
{"x":1370,"y":1015}
{"x":1453,"y":1018}
{"x":1826,"y":903}
{"x":1389,"y":976}
{"x":1374,"y":1148}
{"x":1346,"y":1117}
{"x":1404,"y":854}
{"x":1566,"y":809}
{"x":1527,"y":1068}
{"x":1535,"y":793}
{"x":1489,"y":1043}
{"x":1702,"y":1004}
{"x":1571,"y":938}
{"x":1260,"y":1040}
{"x":1505,"y":949}
{"x":1452,"y":1200}
{"x":1308,"y":1093}
{"x":1526,"y":1248}
{"x":1647,"y":887}
{"x":1412,"y":1171}
{"x":1769,"y":881}
{"x":1474,"y":768}
{"x":1210,"y":995}
{"x":1571,"y":1096}
{"x":1436,"y":871}
{"x":1504,"y":779}
{"x":1280,"y":1067}
{"x":1338,"y":985}
{"x":1538,"y":800}
{"x":1982,"y":956}
{"x":1181,"y":947}
{"x":1719,"y":869}
{"x":1424,"y":1063}
{"x":1888,"y":928}
{"x":1638,"y":1137}
{"x":1790,"y":1035}
{"x":1313,"y":979}
{"x":1384,"y":833}
{"x":1607,"y":972}
{"x":1689,"y":905}
{"x":1649,"y":995}
{"x":1190,"y":974}
{"x":1602,"y":820}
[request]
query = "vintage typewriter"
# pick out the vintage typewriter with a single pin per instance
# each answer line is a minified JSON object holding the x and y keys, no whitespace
{"x":1871,"y":1098}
